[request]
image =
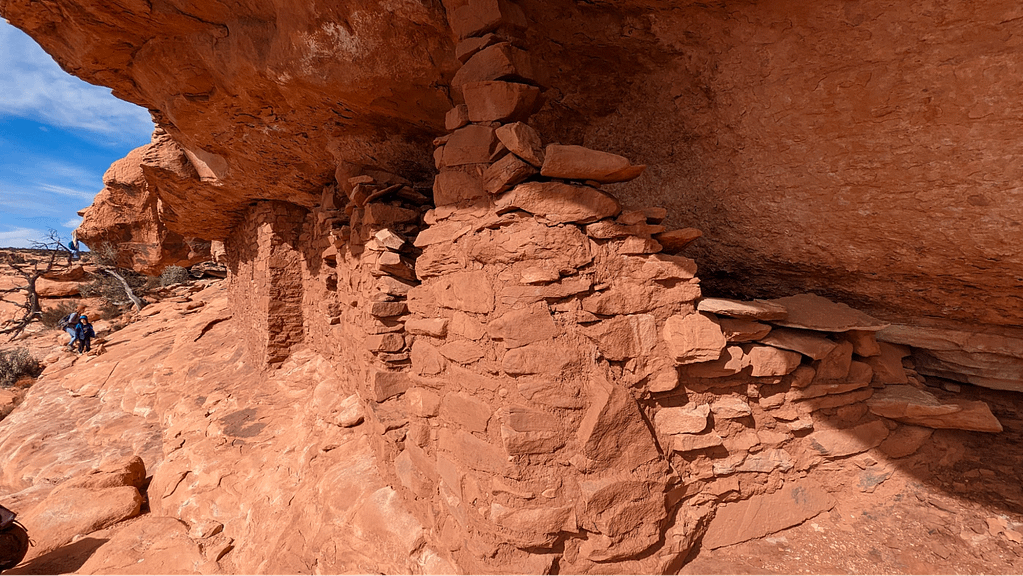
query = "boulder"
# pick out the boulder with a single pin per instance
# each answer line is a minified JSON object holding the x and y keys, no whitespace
{"x":559,"y":202}
{"x":56,"y":289}
{"x":905,"y":440}
{"x":71,"y":511}
{"x":693,"y":338}
{"x":155,"y":545}
{"x":581,"y":163}
{"x":887,"y":365}
{"x":918,"y":407}
{"x":812,"y":312}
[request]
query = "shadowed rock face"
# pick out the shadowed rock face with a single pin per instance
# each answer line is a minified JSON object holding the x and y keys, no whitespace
{"x":856,"y":149}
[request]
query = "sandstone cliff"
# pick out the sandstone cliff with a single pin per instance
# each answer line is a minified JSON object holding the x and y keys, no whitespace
{"x":856,"y":149}
{"x":459,"y":228}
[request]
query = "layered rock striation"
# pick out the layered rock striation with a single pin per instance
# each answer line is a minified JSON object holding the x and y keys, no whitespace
{"x":879,"y":175}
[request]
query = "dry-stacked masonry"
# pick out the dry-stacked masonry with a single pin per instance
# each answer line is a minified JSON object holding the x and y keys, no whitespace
{"x":546,"y":384}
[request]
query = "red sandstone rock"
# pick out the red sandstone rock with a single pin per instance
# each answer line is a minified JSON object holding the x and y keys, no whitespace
{"x":70,"y":511}
{"x":812,"y":312}
{"x":456,"y":117}
{"x":771,"y":361}
{"x":759,"y":516}
{"x":756,"y":310}
{"x":912,"y":406}
{"x":477,"y":17}
{"x":888,"y":365}
{"x":560,"y":202}
{"x":693,"y":338}
{"x":471,"y":144}
{"x":504,"y":174}
{"x":470,"y":46}
{"x":498,"y":62}
{"x":53,"y":289}
{"x":581,"y":163}
{"x":131,"y":213}
{"x":807,"y":343}
{"x":676,"y":240}
{"x":989,"y":357}
{"x":521,"y":327}
{"x":691,"y":419}
{"x":835,"y":366}
{"x":731,"y":362}
{"x":152,"y":545}
{"x":494,"y":101}
{"x":834,"y":443}
{"x":522,"y":141}
{"x":864,"y":342}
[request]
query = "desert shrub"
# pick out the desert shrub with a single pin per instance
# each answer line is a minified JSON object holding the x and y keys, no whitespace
{"x":174,"y":275}
{"x":51,"y":316}
{"x":16,"y":363}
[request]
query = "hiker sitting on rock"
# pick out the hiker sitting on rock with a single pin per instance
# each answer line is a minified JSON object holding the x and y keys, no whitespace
{"x":84,"y":334}
{"x":69,"y":323}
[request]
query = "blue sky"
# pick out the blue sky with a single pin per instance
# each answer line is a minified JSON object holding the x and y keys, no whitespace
{"x":58,"y":135}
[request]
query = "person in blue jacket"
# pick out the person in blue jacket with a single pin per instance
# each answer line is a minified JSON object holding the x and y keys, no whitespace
{"x":84,"y":334}
{"x":68,"y":324}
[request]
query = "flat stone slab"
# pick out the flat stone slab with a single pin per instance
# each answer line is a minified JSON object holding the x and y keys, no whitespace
{"x":559,"y":202}
{"x":766,"y":514}
{"x":755,"y":309}
{"x":815,"y":346}
{"x":913,"y":406}
{"x":813,"y":312}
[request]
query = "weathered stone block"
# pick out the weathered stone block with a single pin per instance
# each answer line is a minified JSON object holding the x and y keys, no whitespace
{"x":495,"y":101}
{"x":581,"y":163}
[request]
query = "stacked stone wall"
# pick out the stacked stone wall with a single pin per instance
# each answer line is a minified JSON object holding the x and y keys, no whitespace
{"x":544,"y":382}
{"x":266,"y":279}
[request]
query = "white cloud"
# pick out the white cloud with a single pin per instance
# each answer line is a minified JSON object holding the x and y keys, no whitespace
{"x":20,"y":237}
{"x":35,"y":87}
{"x":65,"y":191}
{"x":72,"y":223}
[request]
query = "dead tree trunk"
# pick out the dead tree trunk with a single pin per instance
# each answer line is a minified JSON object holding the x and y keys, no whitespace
{"x":31,"y":272}
{"x":127,"y":289}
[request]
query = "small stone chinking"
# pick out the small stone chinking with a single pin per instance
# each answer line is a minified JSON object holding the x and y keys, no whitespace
{"x":549,"y":386}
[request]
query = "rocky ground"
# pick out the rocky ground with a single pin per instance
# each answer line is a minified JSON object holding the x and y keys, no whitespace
{"x":170,"y":389}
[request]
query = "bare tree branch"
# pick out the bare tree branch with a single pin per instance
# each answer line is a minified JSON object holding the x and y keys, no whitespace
{"x":32,"y":271}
